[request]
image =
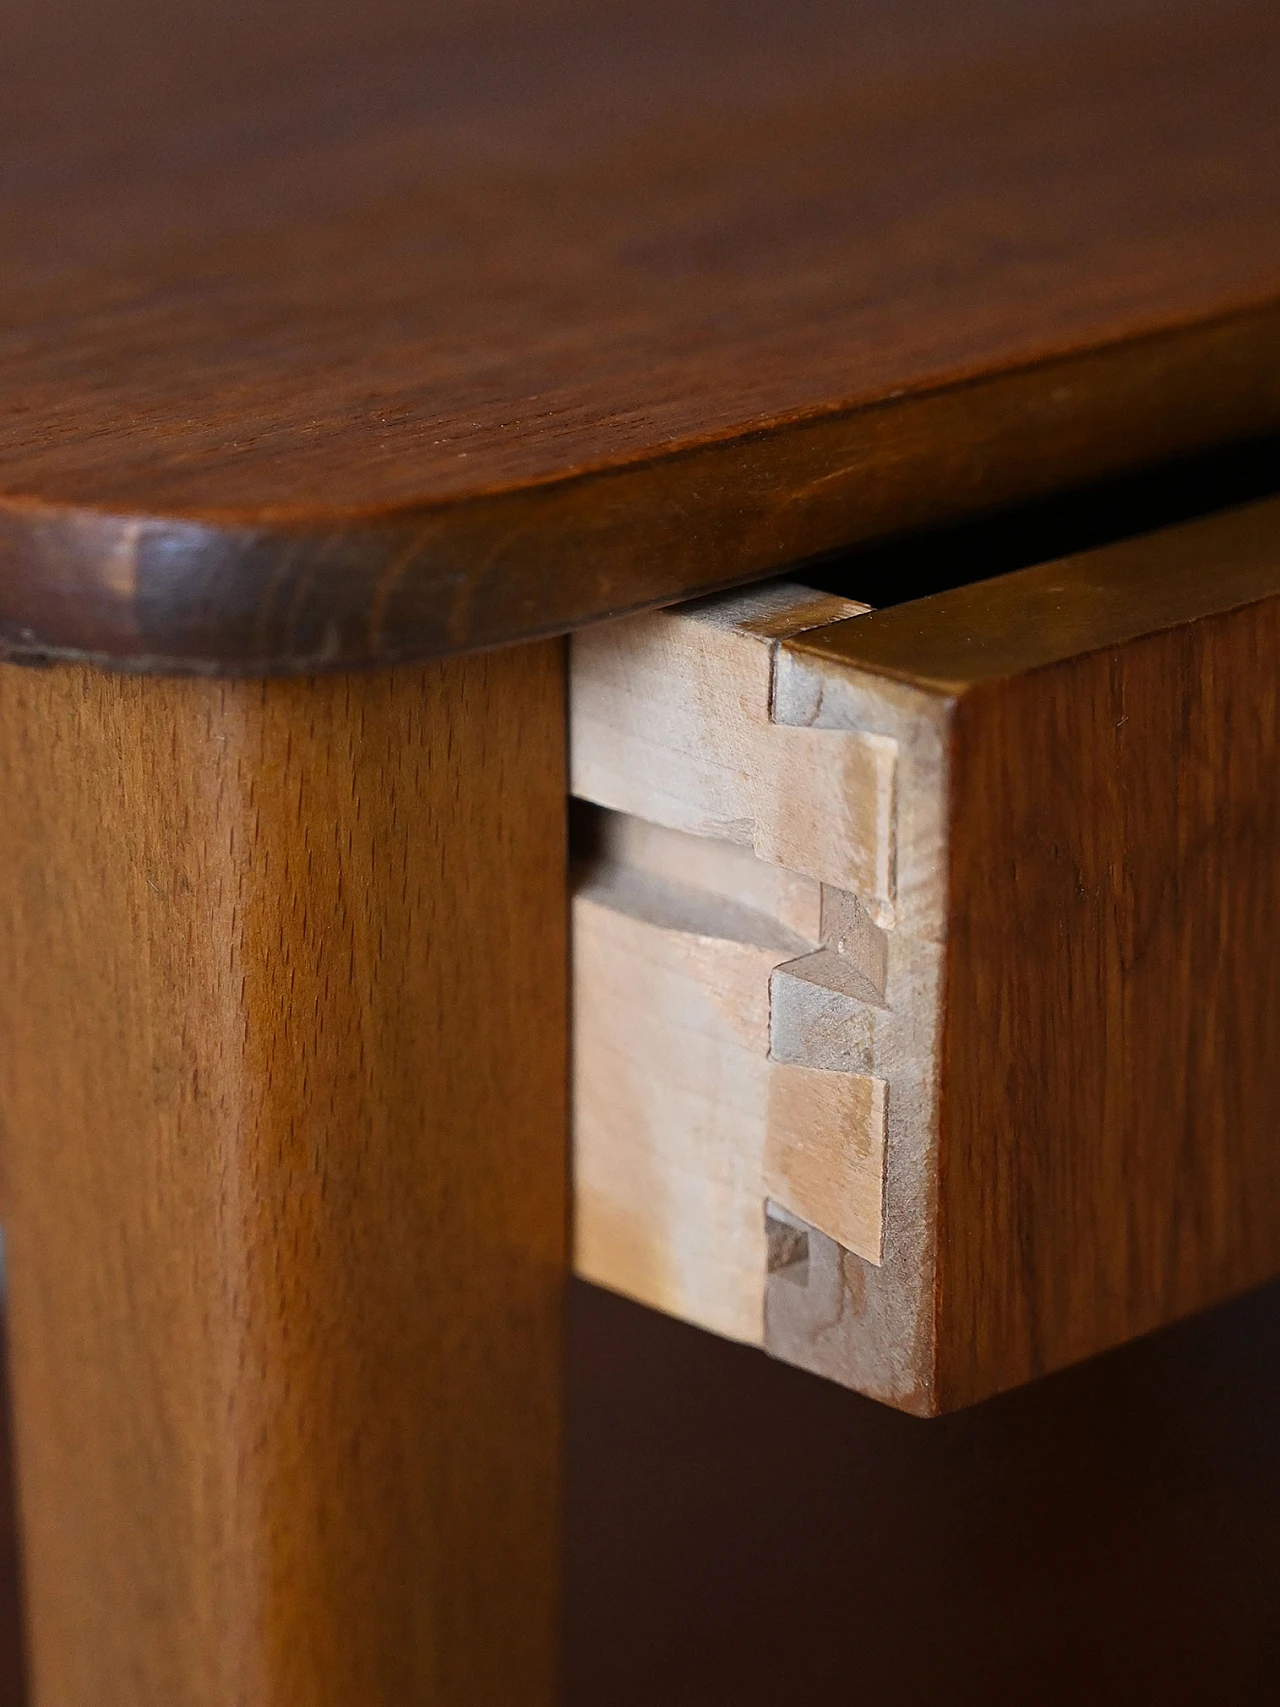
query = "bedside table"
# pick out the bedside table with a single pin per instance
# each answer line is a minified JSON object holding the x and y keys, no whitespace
{"x":350,"y":360}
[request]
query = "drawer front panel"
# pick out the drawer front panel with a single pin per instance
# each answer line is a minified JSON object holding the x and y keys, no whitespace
{"x":926,"y":1028}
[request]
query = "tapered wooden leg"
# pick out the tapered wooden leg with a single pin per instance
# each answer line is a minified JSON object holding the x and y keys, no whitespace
{"x":282,"y":1045}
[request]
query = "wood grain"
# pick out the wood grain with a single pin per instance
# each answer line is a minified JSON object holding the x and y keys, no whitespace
{"x":755,"y":1049}
{"x":1019,"y":1093}
{"x":1120,"y":868}
{"x":672,"y":720}
{"x":671,"y":1098}
{"x":708,"y":1110}
{"x":282,"y":1089}
{"x":1108,"y":1093}
{"x":332,"y":335}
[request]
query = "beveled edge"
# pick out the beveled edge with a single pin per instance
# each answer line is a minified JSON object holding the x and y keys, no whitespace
{"x":169,"y":595}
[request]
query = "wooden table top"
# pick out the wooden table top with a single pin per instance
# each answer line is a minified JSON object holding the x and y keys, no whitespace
{"x":341,"y":333}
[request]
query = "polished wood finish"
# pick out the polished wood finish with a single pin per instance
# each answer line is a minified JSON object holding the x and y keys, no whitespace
{"x":1006,"y":956}
{"x":282,"y":1089}
{"x":333,"y":334}
{"x":1113,"y":1009}
{"x":1108,"y":1093}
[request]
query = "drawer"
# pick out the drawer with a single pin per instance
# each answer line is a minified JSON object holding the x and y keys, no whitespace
{"x":926,"y":999}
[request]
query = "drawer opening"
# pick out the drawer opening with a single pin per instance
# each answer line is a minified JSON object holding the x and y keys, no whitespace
{"x":999,"y":541}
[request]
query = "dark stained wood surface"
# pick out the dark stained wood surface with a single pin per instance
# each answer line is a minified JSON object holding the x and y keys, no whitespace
{"x":335,"y":333}
{"x":1113,"y":1007}
{"x":1108,"y":1086}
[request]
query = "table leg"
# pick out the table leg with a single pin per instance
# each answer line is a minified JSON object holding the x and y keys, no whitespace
{"x":282,"y":1086}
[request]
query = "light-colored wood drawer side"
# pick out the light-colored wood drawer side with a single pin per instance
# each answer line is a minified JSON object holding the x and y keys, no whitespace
{"x":757,"y":931}
{"x":926,"y":1024}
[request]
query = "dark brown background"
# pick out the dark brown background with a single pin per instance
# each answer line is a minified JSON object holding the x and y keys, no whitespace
{"x":744,"y":1533}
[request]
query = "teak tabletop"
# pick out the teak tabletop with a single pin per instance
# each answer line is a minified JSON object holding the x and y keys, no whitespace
{"x":335,"y":334}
